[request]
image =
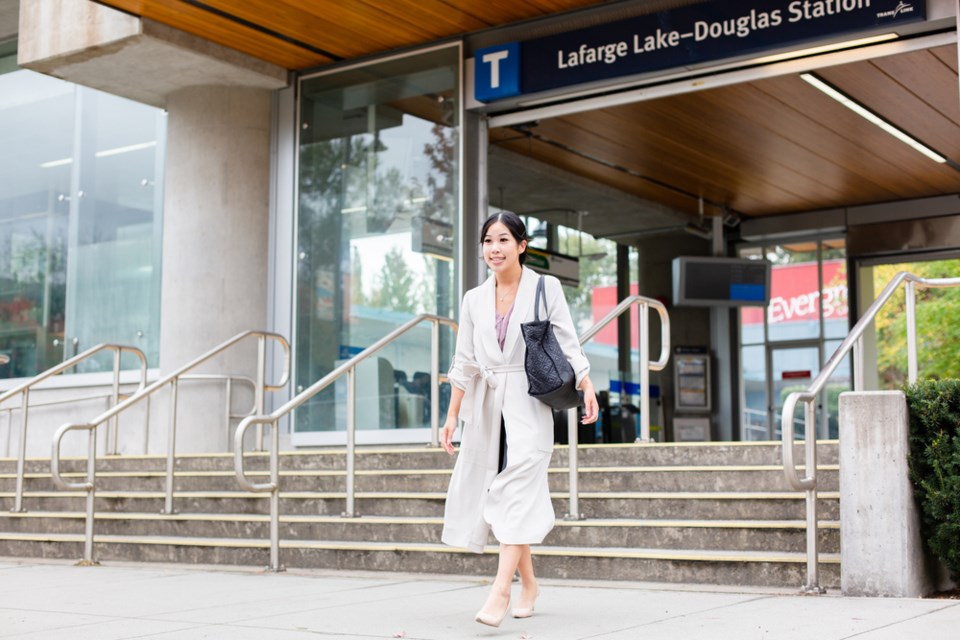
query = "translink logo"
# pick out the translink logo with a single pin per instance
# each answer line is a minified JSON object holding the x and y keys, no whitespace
{"x":497,"y":72}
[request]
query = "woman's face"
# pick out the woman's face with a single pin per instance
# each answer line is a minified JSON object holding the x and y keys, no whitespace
{"x":501,"y":251}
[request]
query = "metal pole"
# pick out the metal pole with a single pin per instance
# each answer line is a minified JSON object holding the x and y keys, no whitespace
{"x":226,"y":413}
{"x":171,"y":446}
{"x":911,"y":295}
{"x":261,"y":377}
{"x":644,"y":345}
{"x":858,"y":382}
{"x":275,"y":497}
{"x":351,"y":440}
{"x":573,"y":438}
{"x":813,"y":554}
{"x":434,"y":384}
{"x":88,"y":558}
{"x":114,"y":426}
{"x":22,"y":454}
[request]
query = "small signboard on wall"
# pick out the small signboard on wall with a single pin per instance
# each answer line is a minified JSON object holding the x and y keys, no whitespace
{"x":691,"y":379}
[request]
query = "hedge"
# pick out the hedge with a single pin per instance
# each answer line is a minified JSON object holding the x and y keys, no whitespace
{"x":934,"y":407}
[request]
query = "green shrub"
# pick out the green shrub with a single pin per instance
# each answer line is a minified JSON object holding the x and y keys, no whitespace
{"x":934,"y":407}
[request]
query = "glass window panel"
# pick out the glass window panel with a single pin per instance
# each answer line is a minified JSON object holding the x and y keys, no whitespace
{"x":836,"y":322}
{"x":938,"y":332}
{"x":793,"y":369}
{"x":37,"y":129}
{"x":753,"y":365}
{"x":751,"y":318}
{"x":840,"y":381}
{"x":794,"y":310}
{"x":378,"y":214}
{"x":79,"y":222}
{"x":114,"y":280}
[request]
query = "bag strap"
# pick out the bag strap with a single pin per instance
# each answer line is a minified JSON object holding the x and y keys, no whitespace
{"x":536,"y":308}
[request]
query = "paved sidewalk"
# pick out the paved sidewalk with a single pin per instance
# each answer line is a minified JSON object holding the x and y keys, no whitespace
{"x":49,"y":600}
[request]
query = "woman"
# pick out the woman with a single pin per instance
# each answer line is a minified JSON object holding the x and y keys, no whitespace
{"x":500,"y":479}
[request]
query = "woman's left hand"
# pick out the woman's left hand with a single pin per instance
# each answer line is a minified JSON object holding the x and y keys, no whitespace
{"x":591,"y":410}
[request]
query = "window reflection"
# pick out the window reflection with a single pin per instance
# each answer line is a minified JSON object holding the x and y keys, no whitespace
{"x":378,"y":208}
{"x":79,"y":222}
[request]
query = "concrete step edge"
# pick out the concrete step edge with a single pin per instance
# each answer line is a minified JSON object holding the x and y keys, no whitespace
{"x":320,"y":473}
{"x":300,"y":519}
{"x":430,"y":495}
{"x":415,"y":547}
{"x":422,"y":448}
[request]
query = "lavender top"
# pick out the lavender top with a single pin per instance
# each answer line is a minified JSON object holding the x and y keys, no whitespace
{"x":502,"y":322}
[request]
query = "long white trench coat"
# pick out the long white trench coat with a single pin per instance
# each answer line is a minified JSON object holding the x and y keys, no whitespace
{"x":515,"y":503}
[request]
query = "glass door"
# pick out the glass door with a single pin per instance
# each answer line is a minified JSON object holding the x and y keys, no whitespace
{"x":792,"y":368}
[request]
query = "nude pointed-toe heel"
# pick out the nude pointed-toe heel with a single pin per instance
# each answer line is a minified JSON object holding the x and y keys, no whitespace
{"x":490,"y":619}
{"x":526,"y":612}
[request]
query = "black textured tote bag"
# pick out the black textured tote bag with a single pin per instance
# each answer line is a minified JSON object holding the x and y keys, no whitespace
{"x":551,"y":378}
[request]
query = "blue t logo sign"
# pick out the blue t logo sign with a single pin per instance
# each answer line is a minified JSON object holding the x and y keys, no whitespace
{"x":497,"y":72}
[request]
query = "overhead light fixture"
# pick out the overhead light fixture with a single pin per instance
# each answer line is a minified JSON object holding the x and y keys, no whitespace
{"x":872,"y":117}
{"x":126,"y":149}
{"x":101,"y":154}
{"x":826,"y":48}
{"x":698,"y":230}
{"x":55,"y":163}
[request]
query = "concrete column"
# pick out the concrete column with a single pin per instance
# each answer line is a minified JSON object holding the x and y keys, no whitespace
{"x":215,"y":252}
{"x":881,"y":551}
{"x":215,"y":219}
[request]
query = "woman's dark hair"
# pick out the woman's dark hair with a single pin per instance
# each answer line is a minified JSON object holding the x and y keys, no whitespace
{"x":514,"y":225}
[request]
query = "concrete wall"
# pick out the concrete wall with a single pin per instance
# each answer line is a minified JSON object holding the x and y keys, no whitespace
{"x":881,"y":549}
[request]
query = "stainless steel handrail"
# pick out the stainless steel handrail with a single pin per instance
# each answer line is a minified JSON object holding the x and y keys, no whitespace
{"x":173,"y":380}
{"x":348,"y":368}
{"x":24,"y":391}
{"x":854,"y":342}
{"x":645,"y":368}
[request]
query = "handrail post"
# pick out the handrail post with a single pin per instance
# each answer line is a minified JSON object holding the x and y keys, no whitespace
{"x":275,"y":498}
{"x":261,"y":381}
{"x":351,"y":511}
{"x":434,"y":384}
{"x":644,"y":345}
{"x":911,"y":298}
{"x":573,"y":438}
{"x":810,"y":437}
{"x":112,"y":431}
{"x":858,"y":382}
{"x":171,"y":447}
{"x":21,"y":458}
{"x":88,"y":559}
{"x":229,"y":403}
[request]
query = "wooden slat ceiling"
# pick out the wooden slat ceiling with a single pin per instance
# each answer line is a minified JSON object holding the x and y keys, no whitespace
{"x":771,"y":146}
{"x":766,"y":147}
{"x":299,"y":34}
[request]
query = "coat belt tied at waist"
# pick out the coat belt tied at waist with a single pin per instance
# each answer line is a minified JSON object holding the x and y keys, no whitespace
{"x":487,"y":379}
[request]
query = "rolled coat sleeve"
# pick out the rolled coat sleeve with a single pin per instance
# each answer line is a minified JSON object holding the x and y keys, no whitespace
{"x":564,"y":329}
{"x":464,"y":354}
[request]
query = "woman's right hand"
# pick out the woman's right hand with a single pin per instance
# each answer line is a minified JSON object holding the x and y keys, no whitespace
{"x":446,"y":434}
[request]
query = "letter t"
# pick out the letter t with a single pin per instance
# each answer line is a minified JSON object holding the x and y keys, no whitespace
{"x":494,"y":59}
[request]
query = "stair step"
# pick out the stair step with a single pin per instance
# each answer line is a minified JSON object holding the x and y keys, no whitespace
{"x":718,"y":566}
{"x":658,"y":512}
{"x":667,"y":534}
{"x":690,"y":478}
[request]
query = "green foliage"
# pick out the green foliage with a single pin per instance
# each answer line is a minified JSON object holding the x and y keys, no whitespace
{"x":934,"y":407}
{"x":938,"y":334}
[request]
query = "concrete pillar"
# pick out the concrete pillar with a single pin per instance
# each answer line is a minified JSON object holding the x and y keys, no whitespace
{"x":215,"y":253}
{"x":215,"y":219}
{"x":881,"y":550}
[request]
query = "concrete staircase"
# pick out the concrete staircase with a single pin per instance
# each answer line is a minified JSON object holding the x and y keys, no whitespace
{"x":707,"y":513}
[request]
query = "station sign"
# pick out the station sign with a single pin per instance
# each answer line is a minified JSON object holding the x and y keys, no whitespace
{"x":694,"y":34}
